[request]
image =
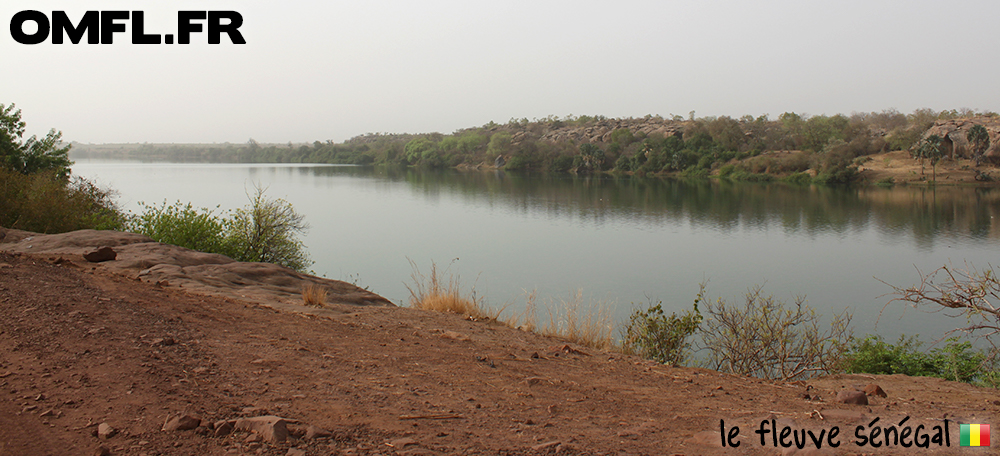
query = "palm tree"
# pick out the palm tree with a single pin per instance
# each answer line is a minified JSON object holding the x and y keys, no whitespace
{"x":930,"y":148}
{"x":979,"y":138}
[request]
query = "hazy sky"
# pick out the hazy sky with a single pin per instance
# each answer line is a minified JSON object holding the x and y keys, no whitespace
{"x":330,"y":70}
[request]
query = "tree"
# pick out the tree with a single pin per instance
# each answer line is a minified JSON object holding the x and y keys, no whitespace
{"x":930,"y":149}
{"x":33,"y":155}
{"x":979,"y":138}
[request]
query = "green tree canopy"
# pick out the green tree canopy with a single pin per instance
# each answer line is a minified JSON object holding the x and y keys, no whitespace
{"x":979,"y":138}
{"x":32,"y":155}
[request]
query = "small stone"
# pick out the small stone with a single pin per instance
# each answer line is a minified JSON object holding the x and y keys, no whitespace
{"x":295,"y":452}
{"x":102,"y":451}
{"x":875,"y":390}
{"x":105,"y":431}
{"x":180,"y":422}
{"x":252,"y":438}
{"x":223,"y":428}
{"x":313,"y":432}
{"x":546,"y":445}
{"x":100,"y":255}
{"x":852,"y":397}
{"x":402,"y":443}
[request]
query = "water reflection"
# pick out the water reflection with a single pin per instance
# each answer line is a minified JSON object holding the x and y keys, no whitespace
{"x":929,"y":215}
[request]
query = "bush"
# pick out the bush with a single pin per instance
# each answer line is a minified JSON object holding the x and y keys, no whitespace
{"x":799,"y":179}
{"x":44,"y":202}
{"x":264,"y":231}
{"x":956,"y":361}
{"x":767,"y":339}
{"x":182,"y":225}
{"x":653,"y":335}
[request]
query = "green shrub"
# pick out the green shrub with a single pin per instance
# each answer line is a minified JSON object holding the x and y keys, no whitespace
{"x":653,"y":335}
{"x":955,"y":361}
{"x":799,"y":179}
{"x":726,"y":171}
{"x":180,"y":224}
{"x":44,"y":202}
{"x":886,"y":182}
{"x":752,"y":177}
{"x":693,"y":172}
{"x":264,"y":231}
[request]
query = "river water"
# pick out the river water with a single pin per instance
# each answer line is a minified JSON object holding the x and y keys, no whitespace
{"x":621,"y":241}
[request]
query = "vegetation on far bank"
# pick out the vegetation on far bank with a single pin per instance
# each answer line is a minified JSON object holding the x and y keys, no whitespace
{"x":826,"y":148}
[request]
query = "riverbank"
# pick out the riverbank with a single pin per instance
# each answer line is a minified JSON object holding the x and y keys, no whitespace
{"x":84,"y":345}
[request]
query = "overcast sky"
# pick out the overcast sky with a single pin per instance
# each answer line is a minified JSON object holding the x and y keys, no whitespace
{"x":330,"y":70}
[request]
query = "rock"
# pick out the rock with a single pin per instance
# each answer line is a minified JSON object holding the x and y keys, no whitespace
{"x":180,"y":422}
{"x":100,"y":255}
{"x":875,"y":390}
{"x":273,"y":429}
{"x":223,"y":428}
{"x":402,"y":443}
{"x":546,"y":445}
{"x":101,"y":451}
{"x":852,"y":397}
{"x":295,"y":452}
{"x":313,"y":432}
{"x":105,"y":431}
{"x":454,"y":336}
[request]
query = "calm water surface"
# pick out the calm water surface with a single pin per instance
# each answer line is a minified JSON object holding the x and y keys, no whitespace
{"x":624,"y":241}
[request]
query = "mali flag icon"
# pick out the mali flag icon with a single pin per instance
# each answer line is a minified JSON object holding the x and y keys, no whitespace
{"x":974,"y":435}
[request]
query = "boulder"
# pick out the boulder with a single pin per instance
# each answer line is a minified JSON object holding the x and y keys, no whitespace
{"x":875,"y":390}
{"x":273,"y":429}
{"x":180,"y":422}
{"x":100,"y":255}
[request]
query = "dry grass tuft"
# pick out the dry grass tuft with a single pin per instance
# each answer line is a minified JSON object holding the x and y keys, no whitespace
{"x":314,"y":295}
{"x":591,"y":325}
{"x":431,"y":293}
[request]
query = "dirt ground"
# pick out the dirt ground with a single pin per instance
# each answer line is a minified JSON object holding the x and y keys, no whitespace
{"x":899,"y":166}
{"x":83,"y":346}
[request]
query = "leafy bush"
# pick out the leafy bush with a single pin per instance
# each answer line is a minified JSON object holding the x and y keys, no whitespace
{"x":264,"y":231}
{"x":799,"y":179}
{"x":44,"y":202}
{"x":766,"y":339}
{"x":180,"y":224}
{"x":956,"y":361}
{"x":752,"y":177}
{"x":653,"y":335}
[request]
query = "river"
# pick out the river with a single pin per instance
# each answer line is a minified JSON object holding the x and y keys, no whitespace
{"x":621,"y":241}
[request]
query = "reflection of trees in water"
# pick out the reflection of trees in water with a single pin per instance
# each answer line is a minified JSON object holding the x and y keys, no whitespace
{"x":925,"y":213}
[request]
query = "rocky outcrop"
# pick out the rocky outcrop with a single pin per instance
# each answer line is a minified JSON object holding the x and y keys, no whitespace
{"x":140,"y":257}
{"x":600,"y":131}
{"x":954,"y":132}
